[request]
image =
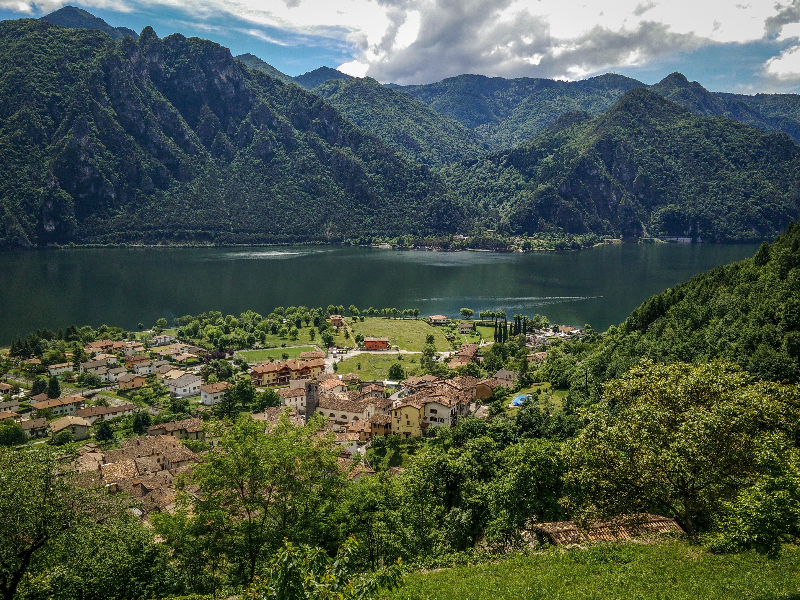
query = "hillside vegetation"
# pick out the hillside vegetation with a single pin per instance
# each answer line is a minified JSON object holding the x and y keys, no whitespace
{"x":174,"y":139}
{"x":645,"y":167}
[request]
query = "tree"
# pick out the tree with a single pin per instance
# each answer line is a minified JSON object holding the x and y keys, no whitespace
{"x":397,"y":372}
{"x":12,"y":433}
{"x":312,"y":333}
{"x":677,"y":440}
{"x":141,"y":421}
{"x":267,"y":398}
{"x":53,"y":388}
{"x":63,"y":437}
{"x":39,"y":386}
{"x":40,"y":507}
{"x":256,"y":490}
{"x":467,"y":313}
{"x":103,"y":433}
{"x":161,"y":324}
{"x":305,"y":573}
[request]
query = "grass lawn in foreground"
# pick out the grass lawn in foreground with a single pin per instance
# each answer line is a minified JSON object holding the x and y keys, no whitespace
{"x":376,"y":366}
{"x":406,"y":334}
{"x":673,"y":570}
{"x":276,"y":353}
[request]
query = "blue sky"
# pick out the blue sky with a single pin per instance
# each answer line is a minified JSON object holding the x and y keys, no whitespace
{"x":743,"y":46}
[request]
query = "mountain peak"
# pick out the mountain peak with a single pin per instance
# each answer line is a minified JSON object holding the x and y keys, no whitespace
{"x":73,"y":17}
{"x":319,"y":75}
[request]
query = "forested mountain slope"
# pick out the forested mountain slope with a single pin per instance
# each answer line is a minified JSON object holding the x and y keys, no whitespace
{"x":77,"y":18}
{"x":405,"y":124}
{"x":319,"y":76}
{"x":646,"y":166}
{"x":173,"y":139}
{"x":259,"y":65}
{"x":746,"y":313}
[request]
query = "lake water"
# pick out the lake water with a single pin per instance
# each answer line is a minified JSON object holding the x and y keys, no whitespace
{"x":125,"y":286}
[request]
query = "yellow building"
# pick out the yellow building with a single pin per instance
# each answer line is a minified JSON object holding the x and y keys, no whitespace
{"x":407,"y":419}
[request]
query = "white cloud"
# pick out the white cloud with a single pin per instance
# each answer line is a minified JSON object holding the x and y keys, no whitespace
{"x":416,"y":41}
{"x":354,"y":68}
{"x":786,"y":65}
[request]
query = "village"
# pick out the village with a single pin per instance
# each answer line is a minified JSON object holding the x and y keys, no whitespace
{"x":122,"y":443}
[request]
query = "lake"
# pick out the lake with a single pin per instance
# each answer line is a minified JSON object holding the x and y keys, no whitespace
{"x":125,"y":286}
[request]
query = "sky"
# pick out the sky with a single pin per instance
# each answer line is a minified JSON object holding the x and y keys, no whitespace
{"x":741,"y":46}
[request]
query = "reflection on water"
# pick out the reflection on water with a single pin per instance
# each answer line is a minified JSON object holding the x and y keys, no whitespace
{"x":125,"y":286}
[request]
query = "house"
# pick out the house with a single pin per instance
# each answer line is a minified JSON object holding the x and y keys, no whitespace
{"x":277,"y":373}
{"x":143,"y":368}
{"x":99,"y":346}
{"x":337,"y":320}
{"x":8,"y":414}
{"x":437,"y":320}
{"x":468,"y":351}
{"x":67,"y":405}
{"x":136,"y":359}
{"x":114,"y":374}
{"x":212,"y":393}
{"x":294,"y":397}
{"x":12,"y":405}
{"x":79,"y":427}
{"x":110,"y":359}
{"x":537,"y":357}
{"x":170,"y":375}
{"x":95,"y":367}
{"x":535,"y":339}
{"x":39,"y":398}
{"x":162,"y":339}
{"x":59,"y":369}
{"x":185,"y":357}
{"x":133,"y":349}
{"x":458,"y":361}
{"x":5,"y":388}
{"x":486,"y":387}
{"x":466,"y":328}
{"x":566,"y":330}
{"x":619,"y":529}
{"x":272,"y":416}
{"x":339,"y":409}
{"x":330,"y":386}
{"x":188,"y":429}
{"x":104,"y":413}
{"x":506,"y":377}
{"x":311,"y":355}
{"x":34,"y":428}
{"x":185,"y":385}
{"x":180,"y":456}
{"x":376,"y":343}
{"x":407,"y":418}
{"x":131,"y":381}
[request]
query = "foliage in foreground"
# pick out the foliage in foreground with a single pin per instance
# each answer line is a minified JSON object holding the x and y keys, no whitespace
{"x":675,"y":570}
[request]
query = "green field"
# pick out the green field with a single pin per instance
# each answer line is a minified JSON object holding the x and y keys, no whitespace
{"x":276,"y":353}
{"x":674,"y":570}
{"x":376,"y":366}
{"x":406,"y":334}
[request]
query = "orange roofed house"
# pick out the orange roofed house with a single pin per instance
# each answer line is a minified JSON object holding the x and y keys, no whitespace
{"x":277,"y":373}
{"x":437,"y":320}
{"x":376,"y":343}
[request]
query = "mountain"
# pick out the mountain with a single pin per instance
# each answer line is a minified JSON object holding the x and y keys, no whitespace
{"x":256,"y":63}
{"x":769,"y":112}
{"x":173,"y":139}
{"x":646,"y":166}
{"x":406,"y":125}
{"x":509,"y":111}
{"x":77,"y":18}
{"x":747,"y":313}
{"x":318,"y":76}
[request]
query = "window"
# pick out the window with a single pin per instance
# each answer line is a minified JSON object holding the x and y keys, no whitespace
{"x":433,"y":411}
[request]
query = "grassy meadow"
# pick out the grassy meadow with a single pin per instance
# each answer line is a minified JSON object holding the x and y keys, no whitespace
{"x":275,"y":353}
{"x":674,"y":570}
{"x":406,"y":334}
{"x":376,"y":366}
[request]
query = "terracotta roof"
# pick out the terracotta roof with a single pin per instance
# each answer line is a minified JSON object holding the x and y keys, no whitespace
{"x":65,"y":422}
{"x":312,"y":354}
{"x":624,"y":528}
{"x":179,"y":454}
{"x":8,"y":414}
{"x":376,"y":339}
{"x":291,"y":393}
{"x":96,"y":411}
{"x":380,"y":419}
{"x":492,"y":383}
{"x":332,"y":402}
{"x":328,"y":385}
{"x":190,"y":425}
{"x":113,"y":472}
{"x":213,"y":388}
{"x":52,"y":403}
{"x":33,"y":424}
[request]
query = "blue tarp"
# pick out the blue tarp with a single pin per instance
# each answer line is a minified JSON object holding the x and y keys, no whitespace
{"x":519,"y":400}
